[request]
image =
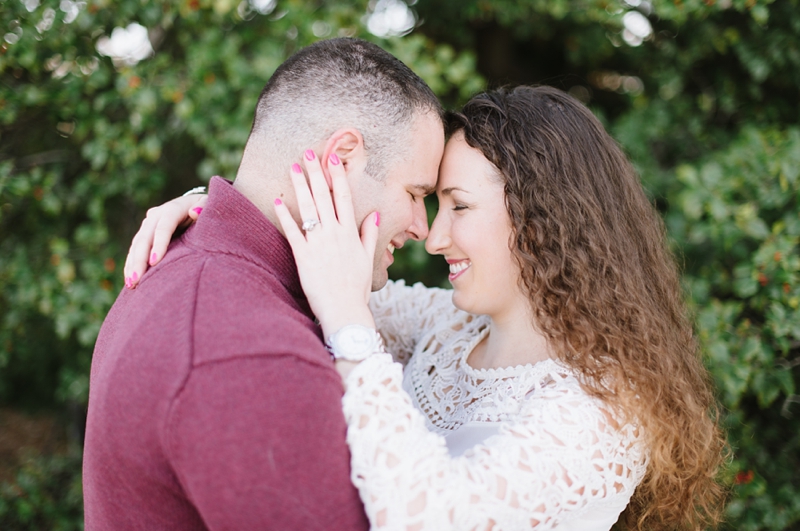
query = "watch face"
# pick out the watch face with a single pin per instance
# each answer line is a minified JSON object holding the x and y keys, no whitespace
{"x":355,"y":341}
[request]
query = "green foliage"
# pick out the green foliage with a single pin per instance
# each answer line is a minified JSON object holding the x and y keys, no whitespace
{"x":737,"y":216}
{"x":706,"y":107}
{"x":46,"y":494}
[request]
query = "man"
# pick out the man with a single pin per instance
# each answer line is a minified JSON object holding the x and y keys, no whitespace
{"x":213,"y":402}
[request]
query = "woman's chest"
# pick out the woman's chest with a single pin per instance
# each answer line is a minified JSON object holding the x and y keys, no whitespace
{"x":451,"y":394}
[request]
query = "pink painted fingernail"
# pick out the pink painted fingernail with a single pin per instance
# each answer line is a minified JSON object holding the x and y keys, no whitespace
{"x":296,"y":168}
{"x":310,"y":155}
{"x":199,"y":210}
{"x":134,"y":277}
{"x":278,"y":201}
{"x":127,"y":282}
{"x":153,"y":259}
{"x":334,"y":159}
{"x":377,"y":219}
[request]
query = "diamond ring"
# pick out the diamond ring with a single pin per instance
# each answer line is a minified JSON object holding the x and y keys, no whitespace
{"x":309,"y":224}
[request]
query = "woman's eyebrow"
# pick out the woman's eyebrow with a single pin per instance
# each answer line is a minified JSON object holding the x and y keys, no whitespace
{"x":449,"y":190}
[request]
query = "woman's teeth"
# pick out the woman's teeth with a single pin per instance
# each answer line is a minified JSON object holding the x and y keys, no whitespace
{"x":391,"y":248}
{"x":458,"y":267}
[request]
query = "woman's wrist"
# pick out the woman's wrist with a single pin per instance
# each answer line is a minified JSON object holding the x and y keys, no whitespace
{"x":331,"y":324}
{"x":344,"y":368}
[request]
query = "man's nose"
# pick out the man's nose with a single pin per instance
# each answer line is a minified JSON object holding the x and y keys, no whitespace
{"x":419,"y":222}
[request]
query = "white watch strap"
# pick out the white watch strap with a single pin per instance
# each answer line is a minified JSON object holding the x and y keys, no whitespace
{"x":355,"y":343}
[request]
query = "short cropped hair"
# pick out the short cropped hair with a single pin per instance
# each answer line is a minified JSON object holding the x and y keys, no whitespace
{"x":339,"y":83}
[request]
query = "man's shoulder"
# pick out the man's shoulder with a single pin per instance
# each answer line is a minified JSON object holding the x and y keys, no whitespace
{"x":234,"y":281}
{"x":243,"y":309}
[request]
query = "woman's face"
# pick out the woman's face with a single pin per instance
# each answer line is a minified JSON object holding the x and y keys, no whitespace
{"x":472,"y":231}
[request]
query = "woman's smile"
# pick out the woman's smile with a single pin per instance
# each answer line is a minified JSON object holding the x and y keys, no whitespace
{"x":457,"y":267}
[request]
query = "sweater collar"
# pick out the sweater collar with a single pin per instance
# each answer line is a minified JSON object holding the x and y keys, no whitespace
{"x":231,"y":224}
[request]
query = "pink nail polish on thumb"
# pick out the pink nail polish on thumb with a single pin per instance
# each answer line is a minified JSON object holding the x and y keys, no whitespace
{"x":198,"y":210}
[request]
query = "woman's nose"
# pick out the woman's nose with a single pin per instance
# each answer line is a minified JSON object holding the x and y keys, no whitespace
{"x":439,"y":234}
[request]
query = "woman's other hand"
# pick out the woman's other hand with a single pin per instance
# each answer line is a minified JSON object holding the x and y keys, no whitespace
{"x":151,"y":241}
{"x":334,"y":259}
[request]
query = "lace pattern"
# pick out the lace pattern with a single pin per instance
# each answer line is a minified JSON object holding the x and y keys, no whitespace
{"x":404,"y":313}
{"x":558,"y":456}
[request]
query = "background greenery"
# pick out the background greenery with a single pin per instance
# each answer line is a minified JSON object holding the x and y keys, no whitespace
{"x":707,"y":108}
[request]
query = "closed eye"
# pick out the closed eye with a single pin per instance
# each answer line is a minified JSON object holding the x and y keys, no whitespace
{"x":420,"y":191}
{"x":415,"y":197}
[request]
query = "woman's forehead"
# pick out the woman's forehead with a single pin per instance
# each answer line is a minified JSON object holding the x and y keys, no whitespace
{"x":464,"y":166}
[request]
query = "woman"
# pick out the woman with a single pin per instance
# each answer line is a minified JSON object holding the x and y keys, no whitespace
{"x":558,"y":384}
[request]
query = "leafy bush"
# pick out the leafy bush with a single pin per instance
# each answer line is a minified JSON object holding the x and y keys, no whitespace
{"x":46,"y":494}
{"x":737,"y":217}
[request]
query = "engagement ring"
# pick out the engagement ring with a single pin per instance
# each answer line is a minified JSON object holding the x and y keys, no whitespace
{"x":309,"y":224}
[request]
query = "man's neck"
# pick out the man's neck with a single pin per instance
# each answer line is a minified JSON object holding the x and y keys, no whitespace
{"x":261,"y":195}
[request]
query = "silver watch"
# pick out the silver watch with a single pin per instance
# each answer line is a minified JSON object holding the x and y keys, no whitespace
{"x":354,"y":343}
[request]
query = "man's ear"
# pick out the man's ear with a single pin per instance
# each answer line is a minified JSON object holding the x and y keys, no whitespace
{"x":348,"y":144}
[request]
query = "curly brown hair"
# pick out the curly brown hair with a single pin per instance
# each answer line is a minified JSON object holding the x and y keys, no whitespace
{"x":605,"y":290}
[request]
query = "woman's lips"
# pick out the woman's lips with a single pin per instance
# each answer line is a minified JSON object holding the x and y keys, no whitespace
{"x":457,"y":268}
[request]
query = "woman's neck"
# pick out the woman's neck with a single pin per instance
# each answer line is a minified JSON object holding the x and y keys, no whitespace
{"x":512,"y":340}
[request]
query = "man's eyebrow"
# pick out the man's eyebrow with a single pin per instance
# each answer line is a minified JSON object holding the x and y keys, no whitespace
{"x":424,"y":189}
{"x":448,"y":191}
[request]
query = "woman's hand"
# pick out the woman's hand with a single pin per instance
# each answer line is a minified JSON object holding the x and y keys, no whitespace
{"x":333,"y":260}
{"x":151,"y":241}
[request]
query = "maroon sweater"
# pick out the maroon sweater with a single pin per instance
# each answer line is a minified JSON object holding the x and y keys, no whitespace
{"x":213,"y":403}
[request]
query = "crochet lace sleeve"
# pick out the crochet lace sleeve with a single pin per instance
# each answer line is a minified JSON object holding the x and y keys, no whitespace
{"x":560,"y":457}
{"x":404,"y":313}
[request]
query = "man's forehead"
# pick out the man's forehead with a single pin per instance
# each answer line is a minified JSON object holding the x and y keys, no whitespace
{"x":419,"y":168}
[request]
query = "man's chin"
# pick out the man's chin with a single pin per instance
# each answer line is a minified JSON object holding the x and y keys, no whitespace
{"x":379,"y":278}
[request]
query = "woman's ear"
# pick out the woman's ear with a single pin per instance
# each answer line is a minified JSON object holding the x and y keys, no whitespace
{"x":348,"y":145}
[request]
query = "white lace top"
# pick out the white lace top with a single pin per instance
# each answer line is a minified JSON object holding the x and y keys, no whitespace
{"x":452,"y":447}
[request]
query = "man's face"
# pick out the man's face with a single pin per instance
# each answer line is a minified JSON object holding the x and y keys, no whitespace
{"x":399,"y":197}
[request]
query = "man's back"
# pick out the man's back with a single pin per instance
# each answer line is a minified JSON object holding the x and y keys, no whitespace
{"x":213,"y":404}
